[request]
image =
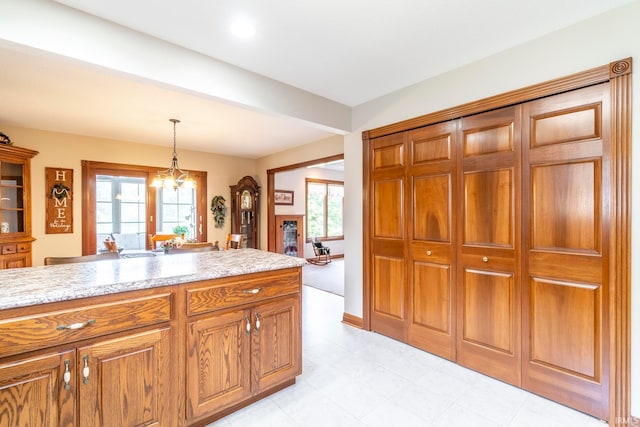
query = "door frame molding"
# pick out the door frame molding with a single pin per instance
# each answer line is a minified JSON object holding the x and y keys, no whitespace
{"x":618,"y":74}
{"x":271,"y":208}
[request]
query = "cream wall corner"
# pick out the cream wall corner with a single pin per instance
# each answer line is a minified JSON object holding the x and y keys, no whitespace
{"x":67,"y":151}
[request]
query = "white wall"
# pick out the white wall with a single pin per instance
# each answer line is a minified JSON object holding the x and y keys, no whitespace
{"x":294,"y":180}
{"x":67,"y":151}
{"x":317,"y":150}
{"x":590,"y":44}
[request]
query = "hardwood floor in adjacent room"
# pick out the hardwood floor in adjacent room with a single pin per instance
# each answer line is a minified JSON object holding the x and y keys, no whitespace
{"x":355,"y":378}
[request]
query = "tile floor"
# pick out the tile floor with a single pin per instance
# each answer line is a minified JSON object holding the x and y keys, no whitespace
{"x":355,"y":378}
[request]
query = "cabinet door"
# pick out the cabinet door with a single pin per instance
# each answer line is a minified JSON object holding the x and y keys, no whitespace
{"x":218,"y":361}
{"x":565,"y":310}
{"x":289,"y":235}
{"x":276,"y":343}
{"x":432,"y":237}
{"x":33,"y":392}
{"x":127,"y":381}
{"x":15,"y":261}
{"x":488,"y":336}
{"x":387,"y":263}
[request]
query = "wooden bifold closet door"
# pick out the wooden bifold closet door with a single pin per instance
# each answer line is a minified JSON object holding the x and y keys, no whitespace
{"x":567,"y":190}
{"x":489,"y":245}
{"x":488,"y":217}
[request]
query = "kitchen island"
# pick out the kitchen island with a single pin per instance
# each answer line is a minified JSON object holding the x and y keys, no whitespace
{"x":177,"y":340}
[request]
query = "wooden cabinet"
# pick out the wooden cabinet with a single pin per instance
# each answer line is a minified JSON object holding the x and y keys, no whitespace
{"x":487,"y":243}
{"x":168,"y":356}
{"x":103,"y":366}
{"x":290,"y":235}
{"x":126,"y":381}
{"x":15,"y":206}
{"x":35,"y":391}
{"x":247,"y":344}
{"x":244,"y":211}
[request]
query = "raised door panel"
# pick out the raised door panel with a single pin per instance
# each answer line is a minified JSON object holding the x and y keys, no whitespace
{"x":34,"y":391}
{"x":488,"y":306}
{"x":388,"y":208}
{"x":15,"y":261}
{"x":432,"y":208}
{"x":127,"y":381}
{"x":489,"y":289}
{"x":388,"y":287}
{"x":432,"y":296}
{"x":572,"y":348}
{"x":387,"y":235}
{"x":276,"y":343}
{"x":218,"y":362}
{"x":565,"y":317}
{"x":489,"y":208}
{"x":432,"y":235}
{"x":569,"y":217}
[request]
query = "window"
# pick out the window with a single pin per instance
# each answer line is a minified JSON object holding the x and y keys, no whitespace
{"x":177,"y":211}
{"x":325,"y":204}
{"x":129,"y":210}
{"x":121,"y":210}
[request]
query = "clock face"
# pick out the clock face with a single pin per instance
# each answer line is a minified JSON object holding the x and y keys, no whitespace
{"x":245,"y":200}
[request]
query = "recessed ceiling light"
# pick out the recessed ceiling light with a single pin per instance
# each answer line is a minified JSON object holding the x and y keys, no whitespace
{"x":243,"y":28}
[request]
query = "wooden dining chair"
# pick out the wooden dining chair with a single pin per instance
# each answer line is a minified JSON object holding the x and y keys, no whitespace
{"x":234,"y":241}
{"x":52,"y":260}
{"x":155,"y":238}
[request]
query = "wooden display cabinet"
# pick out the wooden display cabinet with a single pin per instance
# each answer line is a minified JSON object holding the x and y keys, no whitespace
{"x":244,"y":211}
{"x":290,"y":235}
{"x":15,"y":206}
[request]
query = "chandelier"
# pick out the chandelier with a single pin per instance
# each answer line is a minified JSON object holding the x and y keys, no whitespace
{"x":174,"y":177}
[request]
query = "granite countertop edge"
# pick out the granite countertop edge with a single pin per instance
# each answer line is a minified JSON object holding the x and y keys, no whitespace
{"x":25,"y":287}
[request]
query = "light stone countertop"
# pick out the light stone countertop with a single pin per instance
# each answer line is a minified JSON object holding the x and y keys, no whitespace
{"x":21,"y":287}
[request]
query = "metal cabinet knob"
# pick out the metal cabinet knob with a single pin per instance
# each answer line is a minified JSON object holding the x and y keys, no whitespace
{"x":485,"y":259}
{"x":429,"y":253}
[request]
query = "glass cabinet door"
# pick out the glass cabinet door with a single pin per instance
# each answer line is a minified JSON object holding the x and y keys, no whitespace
{"x":290,"y":237}
{"x":12,"y":218}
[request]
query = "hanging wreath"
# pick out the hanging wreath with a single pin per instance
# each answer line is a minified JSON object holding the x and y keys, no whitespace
{"x":219,"y":210}
{"x":60,"y":191}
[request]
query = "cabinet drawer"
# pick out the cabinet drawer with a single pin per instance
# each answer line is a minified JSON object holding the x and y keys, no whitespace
{"x":23,"y":247}
{"x":31,"y":332}
{"x":224,"y":293}
{"x":9,"y":249}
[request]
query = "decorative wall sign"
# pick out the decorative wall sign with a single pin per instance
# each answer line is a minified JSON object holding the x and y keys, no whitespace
{"x":59,"y":186}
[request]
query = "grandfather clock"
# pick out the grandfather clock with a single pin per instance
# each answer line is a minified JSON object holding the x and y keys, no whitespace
{"x":244,"y":211}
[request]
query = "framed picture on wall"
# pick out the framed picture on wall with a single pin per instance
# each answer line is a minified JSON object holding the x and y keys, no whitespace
{"x":283,"y":197}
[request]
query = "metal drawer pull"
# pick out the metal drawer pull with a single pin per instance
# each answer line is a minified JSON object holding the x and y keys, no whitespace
{"x":251,"y":291}
{"x":429,"y":253}
{"x":74,"y":326}
{"x":485,"y":259}
{"x":67,"y":375}
{"x":247,"y":326}
{"x":85,"y":370}
{"x":257,"y":323}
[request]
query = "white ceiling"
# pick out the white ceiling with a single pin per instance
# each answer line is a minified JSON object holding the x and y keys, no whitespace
{"x":348,"y":52}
